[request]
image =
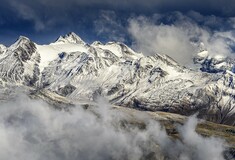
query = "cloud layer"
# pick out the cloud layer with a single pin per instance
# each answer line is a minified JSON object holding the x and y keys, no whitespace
{"x":31,"y":129}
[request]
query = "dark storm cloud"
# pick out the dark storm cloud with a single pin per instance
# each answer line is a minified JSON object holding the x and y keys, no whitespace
{"x":48,"y":12}
{"x":222,"y":7}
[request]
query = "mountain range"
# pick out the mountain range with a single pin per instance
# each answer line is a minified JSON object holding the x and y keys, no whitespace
{"x":72,"y":71}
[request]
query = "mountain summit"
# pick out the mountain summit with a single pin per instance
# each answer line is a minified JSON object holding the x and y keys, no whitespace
{"x":70,"y":38}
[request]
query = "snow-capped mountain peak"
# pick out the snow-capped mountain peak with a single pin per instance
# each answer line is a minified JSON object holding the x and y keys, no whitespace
{"x":70,"y":38}
{"x":23,"y":42}
{"x":22,"y":39}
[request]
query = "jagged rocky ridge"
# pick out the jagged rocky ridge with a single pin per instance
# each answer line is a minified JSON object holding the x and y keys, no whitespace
{"x":81,"y":72}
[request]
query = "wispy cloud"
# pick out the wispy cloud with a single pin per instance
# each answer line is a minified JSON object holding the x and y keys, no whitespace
{"x":27,"y":13}
{"x":108,"y":25}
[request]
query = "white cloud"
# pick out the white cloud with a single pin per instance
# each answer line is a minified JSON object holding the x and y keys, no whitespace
{"x":175,"y":39}
{"x":198,"y":147}
{"x":31,"y":129}
{"x":164,"y":39}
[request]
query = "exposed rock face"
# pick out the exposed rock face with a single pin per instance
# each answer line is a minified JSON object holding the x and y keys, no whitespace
{"x":66,"y":90}
{"x":19,"y":62}
{"x":216,"y":64}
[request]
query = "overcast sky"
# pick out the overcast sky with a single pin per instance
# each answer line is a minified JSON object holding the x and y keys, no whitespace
{"x":44,"y":20}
